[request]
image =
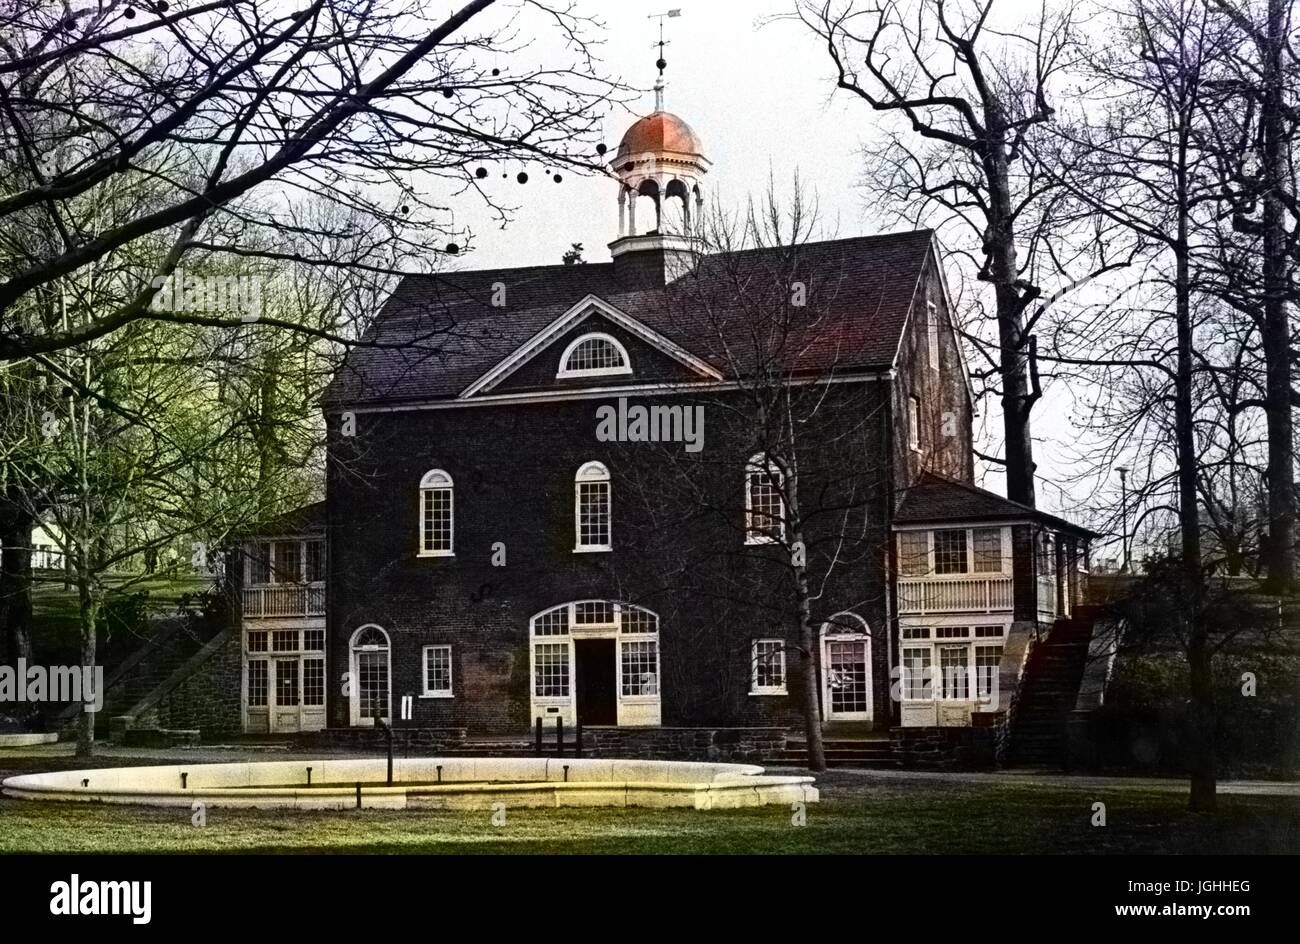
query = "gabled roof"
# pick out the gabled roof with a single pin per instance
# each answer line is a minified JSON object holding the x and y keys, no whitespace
{"x":937,"y":500}
{"x":438,"y":334}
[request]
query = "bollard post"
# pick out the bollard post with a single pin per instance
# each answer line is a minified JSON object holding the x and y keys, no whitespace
{"x":577,"y":743}
{"x":538,"y":747}
{"x":559,"y":736}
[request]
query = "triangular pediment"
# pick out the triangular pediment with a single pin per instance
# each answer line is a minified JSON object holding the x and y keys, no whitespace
{"x":534,"y":364}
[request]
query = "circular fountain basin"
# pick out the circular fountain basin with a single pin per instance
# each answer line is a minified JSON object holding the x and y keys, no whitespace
{"x":451,"y":783}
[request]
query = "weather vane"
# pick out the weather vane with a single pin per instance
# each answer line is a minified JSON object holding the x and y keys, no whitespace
{"x":661,"y":62}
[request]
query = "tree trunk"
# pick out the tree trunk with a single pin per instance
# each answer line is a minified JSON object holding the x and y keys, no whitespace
{"x":1013,"y":362}
{"x":811,"y":706}
{"x":1280,"y":549}
{"x":16,"y":588}
{"x":89,"y":613}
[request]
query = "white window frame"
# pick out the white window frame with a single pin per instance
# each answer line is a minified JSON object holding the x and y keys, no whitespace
{"x":754,"y":687}
{"x":566,"y":371}
{"x":913,"y":423}
{"x":1004,"y":554}
{"x":428,"y":692}
{"x":752,"y":535}
{"x":591,"y":473}
{"x":929,"y":638}
{"x":436,"y":480}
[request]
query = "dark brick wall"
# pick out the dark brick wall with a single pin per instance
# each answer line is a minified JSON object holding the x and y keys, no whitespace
{"x":750,"y":745}
{"x":678,"y":537}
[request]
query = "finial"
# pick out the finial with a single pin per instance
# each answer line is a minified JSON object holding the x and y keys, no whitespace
{"x":661,"y":62}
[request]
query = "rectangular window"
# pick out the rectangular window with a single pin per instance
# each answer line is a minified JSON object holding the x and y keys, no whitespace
{"x":988,"y":632}
{"x":315,"y":561}
{"x":954,"y":668}
{"x":640,"y":668}
{"x":593,"y":516}
{"x":313,"y":682}
{"x":932,"y":334}
{"x":288,"y":562}
{"x":950,"y":555}
{"x":913,"y":553}
{"x":286,"y":682}
{"x":916,"y":674}
{"x":914,"y":423}
{"x":313,"y":640}
{"x":764,"y":507}
{"x":988,"y":550}
{"x":768,"y":676}
{"x":435,"y":522}
{"x":952,"y":632}
{"x":257,"y":683}
{"x":259,"y":569}
{"x":437,"y":671}
{"x":257,"y":641}
{"x":593,"y":613}
{"x":987,"y":660}
{"x":916,"y":632}
{"x":1046,"y":556}
{"x":284,"y":640}
{"x":551,"y":670}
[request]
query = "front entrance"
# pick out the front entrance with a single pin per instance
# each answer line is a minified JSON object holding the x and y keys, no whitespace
{"x":596,"y":682}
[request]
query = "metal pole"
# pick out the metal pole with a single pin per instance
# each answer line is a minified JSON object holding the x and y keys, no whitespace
{"x":1123,"y":512}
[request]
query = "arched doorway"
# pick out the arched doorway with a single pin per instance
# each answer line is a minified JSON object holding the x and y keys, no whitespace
{"x":846,"y":668}
{"x":369,"y":696}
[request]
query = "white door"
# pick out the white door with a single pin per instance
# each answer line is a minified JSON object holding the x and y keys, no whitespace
{"x":846,"y":678}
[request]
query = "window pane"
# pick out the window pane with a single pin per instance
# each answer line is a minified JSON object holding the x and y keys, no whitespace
{"x":257,"y":641}
{"x":257,"y":683}
{"x":593,"y":514}
{"x":437,"y":670}
{"x":313,"y":639}
{"x":316,"y":561}
{"x":594,"y":354}
{"x":288,"y":562}
{"x":988,"y":550}
{"x":766,"y":510}
{"x":769,"y":664}
{"x":950,"y":551}
{"x":640,"y":668}
{"x":260,"y":569}
{"x":284,"y":640}
{"x":913,"y":553}
{"x":916,"y":674}
{"x":551,"y":670}
{"x":987,"y":660}
{"x":954,"y":667}
{"x":435,"y":520}
{"x":286,"y":682}
{"x":313,"y":682}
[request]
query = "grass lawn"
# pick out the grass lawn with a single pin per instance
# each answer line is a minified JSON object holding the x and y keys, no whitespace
{"x":859,"y":813}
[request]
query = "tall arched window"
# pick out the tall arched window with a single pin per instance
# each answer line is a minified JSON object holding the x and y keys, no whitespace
{"x":436,"y":522}
{"x":591,"y":509}
{"x":594,"y":355}
{"x":764,"y":504}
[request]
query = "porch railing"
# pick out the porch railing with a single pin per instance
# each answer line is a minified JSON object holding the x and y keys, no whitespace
{"x":930,"y":595}
{"x":284,"y":600}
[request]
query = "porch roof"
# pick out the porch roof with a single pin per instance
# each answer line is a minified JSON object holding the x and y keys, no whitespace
{"x":938,"y":500}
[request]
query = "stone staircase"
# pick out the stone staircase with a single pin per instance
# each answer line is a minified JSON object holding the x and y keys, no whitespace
{"x":840,"y":752}
{"x":1051,"y":687}
{"x":140,"y":673}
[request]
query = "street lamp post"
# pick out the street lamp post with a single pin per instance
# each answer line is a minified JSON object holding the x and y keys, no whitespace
{"x":1123,"y":513}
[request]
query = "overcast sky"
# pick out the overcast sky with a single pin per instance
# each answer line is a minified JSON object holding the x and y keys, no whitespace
{"x":758,"y":93}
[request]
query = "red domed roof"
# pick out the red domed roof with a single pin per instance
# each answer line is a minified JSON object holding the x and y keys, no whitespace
{"x":658,"y":132}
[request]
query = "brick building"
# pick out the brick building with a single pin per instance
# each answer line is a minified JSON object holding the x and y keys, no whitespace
{"x":504,"y":539}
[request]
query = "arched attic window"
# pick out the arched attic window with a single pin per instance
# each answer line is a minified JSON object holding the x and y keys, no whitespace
{"x":594,"y":355}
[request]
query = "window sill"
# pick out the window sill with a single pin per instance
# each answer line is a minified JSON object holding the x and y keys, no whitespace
{"x":435,"y":554}
{"x":762,"y":540}
{"x":438,"y":695}
{"x":769,"y":691}
{"x":594,"y":549}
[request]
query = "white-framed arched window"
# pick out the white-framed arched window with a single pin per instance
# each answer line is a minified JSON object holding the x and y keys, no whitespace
{"x":436,"y":514}
{"x":592,"y":509}
{"x":594,"y":355}
{"x":764,"y":503}
{"x":371,"y":670}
